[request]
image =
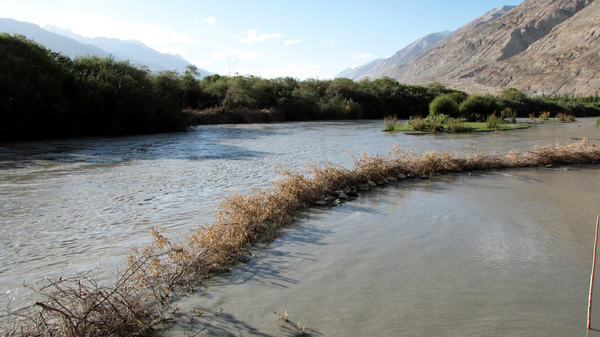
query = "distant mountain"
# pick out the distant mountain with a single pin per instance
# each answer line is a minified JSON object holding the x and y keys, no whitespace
{"x":538,"y":46}
{"x":375,"y":67}
{"x":359,"y":71}
{"x":72,"y":45}
{"x":57,"y":43}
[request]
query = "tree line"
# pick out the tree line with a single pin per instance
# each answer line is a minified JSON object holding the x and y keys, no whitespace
{"x":47,"y":95}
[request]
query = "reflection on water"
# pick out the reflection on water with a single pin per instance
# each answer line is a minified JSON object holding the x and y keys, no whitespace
{"x":493,"y":253}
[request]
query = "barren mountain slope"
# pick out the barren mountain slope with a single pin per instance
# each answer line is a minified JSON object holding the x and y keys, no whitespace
{"x":404,"y":54}
{"x":461,"y":57}
{"x":564,"y":61}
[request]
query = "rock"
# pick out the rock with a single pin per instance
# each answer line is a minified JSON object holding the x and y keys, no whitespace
{"x":347,"y":189}
{"x":391,"y":178}
{"x":364,"y":187}
{"x":383,"y":182}
{"x":352,"y":194}
{"x":401,"y":176}
{"x":549,"y":166}
{"x":321,"y":203}
{"x":424,"y":176}
{"x":343,"y":196}
{"x":371,"y":183}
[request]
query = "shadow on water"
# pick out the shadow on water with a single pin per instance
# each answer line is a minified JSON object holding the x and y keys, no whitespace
{"x":201,"y":143}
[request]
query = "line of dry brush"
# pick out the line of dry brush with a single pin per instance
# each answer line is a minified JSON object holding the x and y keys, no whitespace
{"x":137,"y":304}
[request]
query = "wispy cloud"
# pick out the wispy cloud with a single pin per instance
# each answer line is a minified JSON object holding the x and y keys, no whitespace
{"x":240,"y":54}
{"x":254,"y":37}
{"x":359,"y":56}
{"x":329,"y":44}
{"x":289,"y":42}
{"x":211,"y":21}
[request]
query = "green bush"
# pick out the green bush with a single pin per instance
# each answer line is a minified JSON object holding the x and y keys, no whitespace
{"x":444,"y":105}
{"x":480,"y":105}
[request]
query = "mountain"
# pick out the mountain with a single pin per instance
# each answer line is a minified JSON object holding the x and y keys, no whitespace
{"x":134,"y":51}
{"x":58,"y":43}
{"x":538,"y":46}
{"x":72,"y":45}
{"x":564,"y":61}
{"x":375,"y":67}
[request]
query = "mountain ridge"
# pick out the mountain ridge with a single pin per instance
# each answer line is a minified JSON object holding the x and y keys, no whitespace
{"x":73,"y":45}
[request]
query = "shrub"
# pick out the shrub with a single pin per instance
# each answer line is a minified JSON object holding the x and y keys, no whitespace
{"x":493,"y":121}
{"x":532,"y":116}
{"x":545,"y":116}
{"x":479,"y":104}
{"x":564,"y":118}
{"x":390,"y":123}
{"x":598,"y":122}
{"x":417,"y":123}
{"x":434,"y":125}
{"x":457,"y":126}
{"x":444,"y":105}
{"x":510,"y":114}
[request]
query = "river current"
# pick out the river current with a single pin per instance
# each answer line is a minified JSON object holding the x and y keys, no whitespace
{"x":491,"y":253}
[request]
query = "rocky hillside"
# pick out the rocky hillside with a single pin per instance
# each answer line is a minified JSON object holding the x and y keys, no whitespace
{"x":509,"y":51}
{"x":564,"y":61}
{"x":374,"y":68}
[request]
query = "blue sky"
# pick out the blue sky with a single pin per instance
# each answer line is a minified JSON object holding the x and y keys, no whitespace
{"x":268,"y":38}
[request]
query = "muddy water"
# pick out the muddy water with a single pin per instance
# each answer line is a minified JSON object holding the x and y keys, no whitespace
{"x":493,"y":253}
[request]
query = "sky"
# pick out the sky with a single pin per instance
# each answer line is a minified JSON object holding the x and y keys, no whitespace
{"x":270,"y":38}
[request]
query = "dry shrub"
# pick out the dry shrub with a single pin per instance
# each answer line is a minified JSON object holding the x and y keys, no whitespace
{"x":79,"y":306}
{"x":243,"y":219}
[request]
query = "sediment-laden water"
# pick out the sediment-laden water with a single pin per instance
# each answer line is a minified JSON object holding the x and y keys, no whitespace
{"x":492,"y":253}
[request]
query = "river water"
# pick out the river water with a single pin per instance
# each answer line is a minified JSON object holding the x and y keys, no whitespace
{"x":491,"y":253}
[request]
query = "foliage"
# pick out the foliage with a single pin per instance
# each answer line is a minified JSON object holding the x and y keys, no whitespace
{"x":493,"y":122}
{"x":457,"y":126}
{"x":513,"y":94}
{"x":510,"y":114}
{"x":417,"y":123}
{"x":46,"y":95}
{"x":598,"y":122}
{"x":564,"y":118}
{"x":545,"y":116}
{"x":390,"y":123}
{"x":444,"y":105}
{"x":484,"y":105}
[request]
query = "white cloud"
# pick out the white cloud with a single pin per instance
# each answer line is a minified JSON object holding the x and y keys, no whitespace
{"x":293,"y":70}
{"x":211,"y":21}
{"x":240,"y":54}
{"x":253,"y":37}
{"x":329,"y":44}
{"x":289,"y":42}
{"x":94,"y":26}
{"x":202,"y":63}
{"x":362,"y":56}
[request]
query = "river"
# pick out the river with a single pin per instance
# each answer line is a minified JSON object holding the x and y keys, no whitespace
{"x":491,"y":253}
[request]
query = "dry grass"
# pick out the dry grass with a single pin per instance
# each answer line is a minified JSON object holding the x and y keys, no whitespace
{"x":133,"y":306}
